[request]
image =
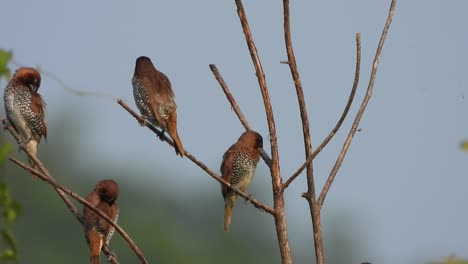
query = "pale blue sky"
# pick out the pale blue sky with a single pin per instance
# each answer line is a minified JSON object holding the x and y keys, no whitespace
{"x":404,"y":180}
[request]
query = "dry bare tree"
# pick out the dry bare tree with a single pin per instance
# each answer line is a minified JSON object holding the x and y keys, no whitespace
{"x":278,"y":185}
{"x":277,"y":211}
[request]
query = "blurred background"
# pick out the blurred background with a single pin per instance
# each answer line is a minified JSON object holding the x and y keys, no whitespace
{"x":400,"y":196}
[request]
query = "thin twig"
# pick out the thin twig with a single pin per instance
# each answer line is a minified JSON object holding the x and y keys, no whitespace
{"x":310,"y":195}
{"x":112,"y":257}
{"x":230,"y":98}
{"x":246,"y":196}
{"x":236,"y":108}
{"x":85,"y":203}
{"x":68,"y":88}
{"x":200,"y":164}
{"x":278,"y":197}
{"x":340,"y":121}
{"x":357,"y":119}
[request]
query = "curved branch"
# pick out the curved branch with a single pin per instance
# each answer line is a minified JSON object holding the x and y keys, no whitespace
{"x":85,"y":203}
{"x":230,"y":98}
{"x":106,"y":249}
{"x":236,"y":108}
{"x":200,"y":164}
{"x":357,"y":119}
{"x":340,"y":121}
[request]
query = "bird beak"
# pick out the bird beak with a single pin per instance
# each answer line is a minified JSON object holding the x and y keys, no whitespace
{"x":33,"y":87}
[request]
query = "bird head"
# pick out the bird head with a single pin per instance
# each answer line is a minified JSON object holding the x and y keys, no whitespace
{"x":29,"y":77}
{"x":108,"y":190}
{"x":144,"y":64}
{"x":251,"y":139}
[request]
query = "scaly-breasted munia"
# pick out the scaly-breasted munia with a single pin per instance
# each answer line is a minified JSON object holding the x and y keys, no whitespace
{"x":238,"y":168}
{"x":25,"y":108}
{"x":155,"y":99}
{"x":98,"y":231}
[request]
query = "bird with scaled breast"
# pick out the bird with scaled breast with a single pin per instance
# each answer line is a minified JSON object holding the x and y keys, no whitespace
{"x":98,"y":231}
{"x":238,"y":168}
{"x":155,"y":99}
{"x":25,"y":108}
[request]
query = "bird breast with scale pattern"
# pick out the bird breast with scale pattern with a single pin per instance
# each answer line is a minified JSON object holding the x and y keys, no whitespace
{"x":18,"y":105}
{"x":243,"y":170}
{"x":140,"y":93}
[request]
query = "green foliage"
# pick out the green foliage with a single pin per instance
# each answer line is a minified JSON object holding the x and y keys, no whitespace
{"x":464,"y":145}
{"x":5,"y":57}
{"x":9,"y":209}
{"x":451,"y":260}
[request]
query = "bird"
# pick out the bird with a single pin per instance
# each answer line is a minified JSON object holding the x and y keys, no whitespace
{"x":155,"y":99}
{"x":98,"y":231}
{"x":238,"y":168}
{"x":25,"y":109}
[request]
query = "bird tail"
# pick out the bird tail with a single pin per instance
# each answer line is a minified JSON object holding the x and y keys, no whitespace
{"x":172,"y":129}
{"x":31,"y":146}
{"x":229,"y":201}
{"x":95,"y":244}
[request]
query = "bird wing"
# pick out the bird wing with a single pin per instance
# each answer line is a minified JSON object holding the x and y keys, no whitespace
{"x":89,"y":217}
{"x":38,"y":107}
{"x":162,"y":102}
{"x":226,"y":169}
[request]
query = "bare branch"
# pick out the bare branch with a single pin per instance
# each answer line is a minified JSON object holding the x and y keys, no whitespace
{"x":85,"y":203}
{"x":200,"y":164}
{"x":358,"y":117}
{"x":342,"y":118}
{"x":236,"y":108}
{"x":110,"y":255}
{"x":246,"y":196}
{"x":278,"y":198}
{"x":230,"y":98}
{"x":310,"y":195}
{"x":263,"y":86}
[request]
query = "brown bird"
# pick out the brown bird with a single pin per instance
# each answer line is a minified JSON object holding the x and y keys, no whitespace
{"x":238,"y":168}
{"x":98,"y":231}
{"x":25,"y":108}
{"x":155,"y":99}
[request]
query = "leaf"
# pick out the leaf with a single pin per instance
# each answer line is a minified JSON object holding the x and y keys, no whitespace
{"x":12,"y":212}
{"x":5,"y":149}
{"x":4,"y":194}
{"x":9,"y":238}
{"x":5,"y":57}
{"x":464,"y":145}
{"x":450,"y":260}
{"x":8,"y":255}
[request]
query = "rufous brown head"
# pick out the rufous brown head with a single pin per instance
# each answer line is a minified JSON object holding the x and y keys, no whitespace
{"x":144,"y":64}
{"x":108,"y":190}
{"x":251,"y":139}
{"x":29,"y":77}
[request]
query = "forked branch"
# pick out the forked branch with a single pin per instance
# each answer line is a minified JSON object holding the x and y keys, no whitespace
{"x":340,"y":121}
{"x":85,"y":203}
{"x":110,"y":255}
{"x":200,"y":164}
{"x":278,"y":198}
{"x":362,"y":108}
{"x":236,"y":108}
{"x":310,"y":195}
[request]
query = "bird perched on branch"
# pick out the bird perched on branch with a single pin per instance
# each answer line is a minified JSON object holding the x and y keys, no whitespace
{"x":25,"y":108}
{"x":98,"y":231}
{"x":238,"y":168}
{"x":155,"y":99}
